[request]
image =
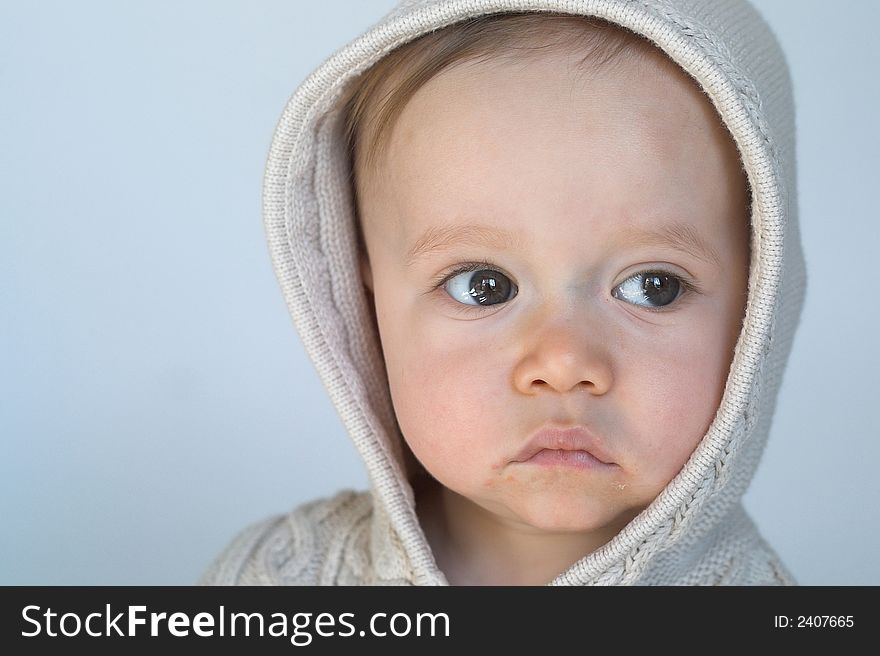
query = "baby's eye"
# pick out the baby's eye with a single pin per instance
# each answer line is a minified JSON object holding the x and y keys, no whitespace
{"x":650,"y":289}
{"x":480,"y":287}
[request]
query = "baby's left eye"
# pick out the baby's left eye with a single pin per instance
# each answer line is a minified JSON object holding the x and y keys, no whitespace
{"x":650,"y":289}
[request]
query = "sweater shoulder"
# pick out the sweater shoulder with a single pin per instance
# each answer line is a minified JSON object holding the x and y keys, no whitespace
{"x":754,"y":562}
{"x":296,"y":548}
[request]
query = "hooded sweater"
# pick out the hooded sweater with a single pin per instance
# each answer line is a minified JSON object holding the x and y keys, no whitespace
{"x":696,"y":531}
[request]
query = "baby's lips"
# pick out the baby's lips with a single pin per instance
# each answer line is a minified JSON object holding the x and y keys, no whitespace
{"x":570,"y":438}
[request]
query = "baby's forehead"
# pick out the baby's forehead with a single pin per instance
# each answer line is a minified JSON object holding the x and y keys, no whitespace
{"x":501,"y":106}
{"x":561,"y":71}
{"x":589,"y":46}
{"x":538,"y":143}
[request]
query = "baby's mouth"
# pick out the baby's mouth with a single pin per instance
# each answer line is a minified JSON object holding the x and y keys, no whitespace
{"x":576,"y":458}
{"x":575,"y":445}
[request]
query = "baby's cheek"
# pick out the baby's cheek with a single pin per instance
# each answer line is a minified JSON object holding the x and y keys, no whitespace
{"x":436,"y":407}
{"x":669,"y":441}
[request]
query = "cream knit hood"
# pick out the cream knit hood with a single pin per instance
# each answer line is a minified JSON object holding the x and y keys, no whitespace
{"x":696,"y":531}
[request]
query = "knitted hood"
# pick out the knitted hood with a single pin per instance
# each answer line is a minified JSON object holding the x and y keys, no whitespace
{"x":696,"y":527}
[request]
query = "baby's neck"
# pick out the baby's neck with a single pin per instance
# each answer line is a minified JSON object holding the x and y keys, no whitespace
{"x":472,"y":546}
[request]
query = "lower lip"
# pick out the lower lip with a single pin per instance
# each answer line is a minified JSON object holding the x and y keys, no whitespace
{"x":567,"y":458}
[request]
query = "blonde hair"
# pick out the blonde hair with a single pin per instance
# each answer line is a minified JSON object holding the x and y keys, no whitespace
{"x":375,"y":99}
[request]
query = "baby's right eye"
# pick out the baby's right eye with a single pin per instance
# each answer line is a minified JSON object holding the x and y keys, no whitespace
{"x":481,"y":287}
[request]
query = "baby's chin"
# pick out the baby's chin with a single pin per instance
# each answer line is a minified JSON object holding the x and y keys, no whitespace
{"x":562,"y":498}
{"x":585,"y":518}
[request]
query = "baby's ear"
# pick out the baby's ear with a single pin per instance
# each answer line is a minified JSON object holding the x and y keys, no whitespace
{"x":366,"y":271}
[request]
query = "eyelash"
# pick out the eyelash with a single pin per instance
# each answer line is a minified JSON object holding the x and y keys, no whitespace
{"x":689,"y":286}
{"x":443,"y":278}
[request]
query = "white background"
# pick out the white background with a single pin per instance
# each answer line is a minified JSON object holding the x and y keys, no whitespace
{"x":154,"y":395}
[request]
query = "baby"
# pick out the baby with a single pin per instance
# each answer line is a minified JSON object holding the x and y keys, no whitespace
{"x":540,"y":362}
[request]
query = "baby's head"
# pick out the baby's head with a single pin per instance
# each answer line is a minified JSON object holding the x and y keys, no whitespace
{"x":555,"y":231}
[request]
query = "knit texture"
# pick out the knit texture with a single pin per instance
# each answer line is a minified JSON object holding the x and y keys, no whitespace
{"x":696,"y":531}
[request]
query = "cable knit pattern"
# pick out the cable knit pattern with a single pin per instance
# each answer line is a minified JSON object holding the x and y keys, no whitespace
{"x":695,"y":532}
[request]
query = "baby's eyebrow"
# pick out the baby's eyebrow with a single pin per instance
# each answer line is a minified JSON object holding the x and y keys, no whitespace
{"x":440,"y":238}
{"x":678,"y":235}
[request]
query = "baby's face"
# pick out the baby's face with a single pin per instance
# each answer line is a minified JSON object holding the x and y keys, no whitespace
{"x":522,"y":280}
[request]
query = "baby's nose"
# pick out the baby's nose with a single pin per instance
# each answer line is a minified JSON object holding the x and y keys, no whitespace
{"x":566,"y":352}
